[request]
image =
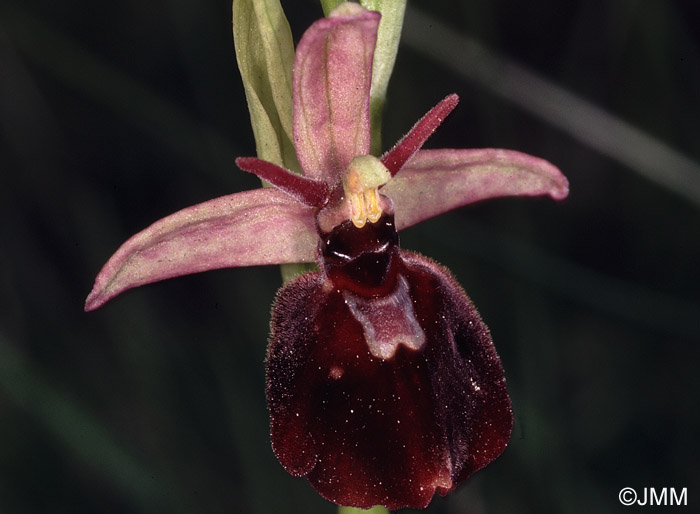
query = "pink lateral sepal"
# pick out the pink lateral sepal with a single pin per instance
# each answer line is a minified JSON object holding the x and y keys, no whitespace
{"x":262,"y":226}
{"x":437,"y":181}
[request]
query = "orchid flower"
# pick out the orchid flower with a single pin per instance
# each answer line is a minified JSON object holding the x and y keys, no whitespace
{"x":383,"y":383}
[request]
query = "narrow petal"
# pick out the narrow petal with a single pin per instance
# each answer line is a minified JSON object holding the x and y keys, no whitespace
{"x":307,"y":191}
{"x":436,"y":181}
{"x":395,"y":158}
{"x":331,"y":85}
{"x":263,"y":226}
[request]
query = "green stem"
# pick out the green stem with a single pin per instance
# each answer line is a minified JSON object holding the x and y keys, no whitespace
{"x":377,"y":509}
{"x":289,"y":271}
{"x":388,"y":37}
{"x":329,"y":5}
{"x":376,"y":106}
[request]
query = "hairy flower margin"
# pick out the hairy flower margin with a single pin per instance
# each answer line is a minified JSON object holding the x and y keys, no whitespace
{"x":383,"y":382}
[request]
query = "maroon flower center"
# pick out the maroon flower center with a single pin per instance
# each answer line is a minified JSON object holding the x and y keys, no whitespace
{"x":362,"y":260}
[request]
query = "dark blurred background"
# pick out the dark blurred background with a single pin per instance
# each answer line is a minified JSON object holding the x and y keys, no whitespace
{"x":113,"y":115}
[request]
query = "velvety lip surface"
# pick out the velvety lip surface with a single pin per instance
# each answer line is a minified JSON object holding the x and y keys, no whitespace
{"x":369,"y":431}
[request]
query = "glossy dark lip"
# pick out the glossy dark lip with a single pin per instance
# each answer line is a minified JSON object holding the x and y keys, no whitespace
{"x":422,"y":420}
{"x":349,"y":258}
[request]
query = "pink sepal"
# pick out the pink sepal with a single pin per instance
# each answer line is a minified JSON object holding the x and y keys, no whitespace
{"x":262,"y":226}
{"x":436,"y":181}
{"x":331,"y":83}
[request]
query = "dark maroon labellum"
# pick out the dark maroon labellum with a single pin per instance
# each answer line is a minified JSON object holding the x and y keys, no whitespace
{"x":364,"y":260}
{"x":382,"y":380}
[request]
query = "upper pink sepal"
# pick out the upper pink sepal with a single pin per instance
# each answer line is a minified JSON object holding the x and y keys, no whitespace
{"x":436,"y":181}
{"x":262,"y":226}
{"x":331,"y":83}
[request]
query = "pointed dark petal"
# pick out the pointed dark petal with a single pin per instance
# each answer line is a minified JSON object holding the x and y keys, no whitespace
{"x":367,"y":430}
{"x":308,"y":191}
{"x":395,"y":158}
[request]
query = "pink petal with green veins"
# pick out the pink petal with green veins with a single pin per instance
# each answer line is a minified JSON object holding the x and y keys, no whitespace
{"x":263,"y":226}
{"x":436,"y":181}
{"x":331,"y":83}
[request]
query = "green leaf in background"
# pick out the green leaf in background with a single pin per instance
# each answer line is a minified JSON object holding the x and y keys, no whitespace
{"x":265,"y":56}
{"x":388,"y":37}
{"x":329,"y":5}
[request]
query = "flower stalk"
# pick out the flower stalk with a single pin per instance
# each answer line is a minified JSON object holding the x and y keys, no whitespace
{"x":377,"y":509}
